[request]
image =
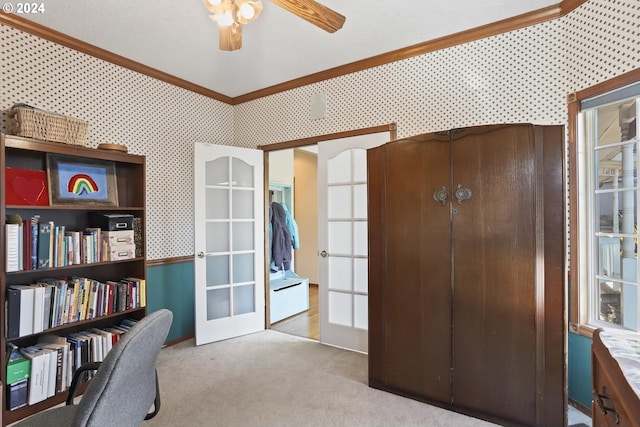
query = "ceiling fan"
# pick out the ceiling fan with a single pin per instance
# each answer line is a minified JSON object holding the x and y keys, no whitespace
{"x":232,"y":14}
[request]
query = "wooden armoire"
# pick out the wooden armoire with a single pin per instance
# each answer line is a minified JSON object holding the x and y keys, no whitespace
{"x":466,"y":271}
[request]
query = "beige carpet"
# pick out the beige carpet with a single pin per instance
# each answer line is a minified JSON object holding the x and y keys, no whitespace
{"x":274,"y":379}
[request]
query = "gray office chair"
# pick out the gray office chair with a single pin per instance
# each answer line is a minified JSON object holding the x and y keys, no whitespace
{"x":125,"y":385}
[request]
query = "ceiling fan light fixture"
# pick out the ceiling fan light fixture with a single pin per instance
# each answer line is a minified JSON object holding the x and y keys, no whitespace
{"x":248,"y":11}
{"x":225,"y":19}
{"x":231,"y":15}
{"x":215,"y":6}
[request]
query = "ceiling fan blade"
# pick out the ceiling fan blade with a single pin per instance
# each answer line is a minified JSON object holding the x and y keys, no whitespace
{"x":230,"y":38}
{"x":312,"y":11}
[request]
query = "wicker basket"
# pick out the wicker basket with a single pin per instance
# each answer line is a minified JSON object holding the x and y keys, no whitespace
{"x":24,"y":120}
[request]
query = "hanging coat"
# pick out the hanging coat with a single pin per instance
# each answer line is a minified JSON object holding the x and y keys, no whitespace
{"x":281,"y":242}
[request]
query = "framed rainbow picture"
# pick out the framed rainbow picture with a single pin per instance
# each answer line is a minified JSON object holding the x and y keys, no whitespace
{"x":81,"y":181}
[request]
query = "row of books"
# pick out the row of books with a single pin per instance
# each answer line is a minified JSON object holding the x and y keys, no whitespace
{"x":33,"y":244}
{"x":52,"y":362}
{"x":34,"y":308}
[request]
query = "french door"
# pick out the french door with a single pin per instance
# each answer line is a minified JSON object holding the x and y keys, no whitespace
{"x":342,"y":240}
{"x":229,"y":242}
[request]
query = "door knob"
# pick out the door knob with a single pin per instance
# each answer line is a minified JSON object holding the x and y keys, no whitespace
{"x":441,"y":195}
{"x":463,"y":194}
{"x":324,"y":254}
{"x":200,"y":254}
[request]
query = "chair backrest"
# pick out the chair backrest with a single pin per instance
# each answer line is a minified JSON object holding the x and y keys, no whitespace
{"x":124,"y":387}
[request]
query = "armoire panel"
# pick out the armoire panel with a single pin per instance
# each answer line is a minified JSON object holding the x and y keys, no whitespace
{"x":418,"y":292}
{"x":552,"y":174}
{"x":494,"y":333}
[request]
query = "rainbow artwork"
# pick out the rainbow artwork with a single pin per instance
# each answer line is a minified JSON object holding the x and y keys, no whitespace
{"x":82,"y":184}
{"x":92,"y":182}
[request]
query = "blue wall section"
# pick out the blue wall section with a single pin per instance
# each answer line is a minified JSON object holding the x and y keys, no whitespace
{"x":172,"y":286}
{"x":580,"y":369}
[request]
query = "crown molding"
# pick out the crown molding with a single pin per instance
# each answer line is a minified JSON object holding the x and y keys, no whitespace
{"x":567,"y":6}
{"x":506,"y":25}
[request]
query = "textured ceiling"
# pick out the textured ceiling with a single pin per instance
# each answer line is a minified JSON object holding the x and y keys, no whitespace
{"x":178,"y":38}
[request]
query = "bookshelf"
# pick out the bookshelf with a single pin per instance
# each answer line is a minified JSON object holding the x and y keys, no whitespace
{"x":28,"y":154}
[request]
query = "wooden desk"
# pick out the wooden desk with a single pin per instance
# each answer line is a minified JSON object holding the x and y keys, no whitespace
{"x":616,"y":379}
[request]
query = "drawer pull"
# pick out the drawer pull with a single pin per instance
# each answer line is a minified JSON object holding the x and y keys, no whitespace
{"x":605,"y":409}
{"x":287,"y":287}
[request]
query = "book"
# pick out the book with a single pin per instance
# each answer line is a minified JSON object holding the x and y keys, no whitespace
{"x":56,"y":342}
{"x":75,"y":347}
{"x":44,"y":245}
{"x":140,"y":291}
{"x":56,"y":367}
{"x":143,"y":292}
{"x":83,"y":348}
{"x":18,"y":369}
{"x":56,"y":244}
{"x":64,"y":303}
{"x":68,"y":248}
{"x":34,"y":241}
{"x":96,"y":243}
{"x":52,"y":370}
{"x":12,"y":259}
{"x":73,"y":247}
{"x":107,"y":340}
{"x":13,"y":312}
{"x":39,"y":377}
{"x":111,"y":297}
{"x":51,"y":243}
{"x":26,"y":295}
{"x":17,"y":395}
{"x":26,"y":245}
{"x":92,"y":301}
{"x":116,"y":333}
{"x":58,"y":292}
{"x":59,"y":250}
{"x":49,"y":292}
{"x":38,"y":308}
{"x":100,"y":307}
{"x":71,"y":303}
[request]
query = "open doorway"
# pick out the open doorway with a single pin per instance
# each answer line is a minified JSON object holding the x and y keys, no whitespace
{"x":341,"y":278}
{"x":292,"y":181}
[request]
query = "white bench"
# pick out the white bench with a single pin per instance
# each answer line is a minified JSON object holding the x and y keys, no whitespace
{"x":289,"y":295}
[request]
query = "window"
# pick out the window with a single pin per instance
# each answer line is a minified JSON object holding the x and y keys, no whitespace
{"x":604,"y":267}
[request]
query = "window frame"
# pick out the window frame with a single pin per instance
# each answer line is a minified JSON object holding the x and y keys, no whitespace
{"x":579,"y":305}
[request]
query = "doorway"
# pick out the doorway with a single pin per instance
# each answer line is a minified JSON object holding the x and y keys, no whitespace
{"x":292,"y":180}
{"x":346,"y":296}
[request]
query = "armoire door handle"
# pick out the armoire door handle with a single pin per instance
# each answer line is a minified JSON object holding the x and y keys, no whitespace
{"x":463,"y":194}
{"x":441,"y":196}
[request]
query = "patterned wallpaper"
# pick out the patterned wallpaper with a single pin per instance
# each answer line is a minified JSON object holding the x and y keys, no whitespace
{"x":150,"y":117}
{"x":513,"y":77}
{"x":601,"y":41}
{"x":520,"y":76}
